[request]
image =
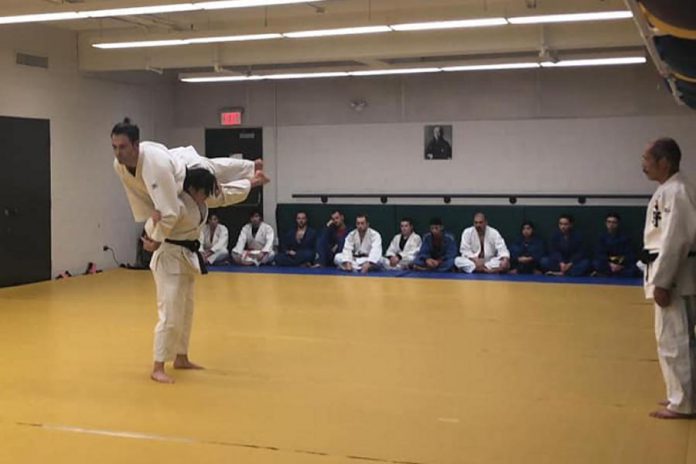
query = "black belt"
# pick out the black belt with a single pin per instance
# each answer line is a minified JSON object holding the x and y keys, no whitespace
{"x":194,"y":246}
{"x":646,"y":257}
{"x":360,"y":255}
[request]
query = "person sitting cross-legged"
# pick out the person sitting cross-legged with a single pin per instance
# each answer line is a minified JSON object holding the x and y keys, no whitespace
{"x":298,"y":245}
{"x":438,"y":250}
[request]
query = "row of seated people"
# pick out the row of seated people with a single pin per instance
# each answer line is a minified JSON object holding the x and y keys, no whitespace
{"x":481,"y":249}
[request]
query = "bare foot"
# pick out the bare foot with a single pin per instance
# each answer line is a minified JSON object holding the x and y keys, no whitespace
{"x":259,"y":179}
{"x":182,"y":362}
{"x":665,"y":413}
{"x":258,"y":165}
{"x":161,"y":377}
{"x":664,"y":403}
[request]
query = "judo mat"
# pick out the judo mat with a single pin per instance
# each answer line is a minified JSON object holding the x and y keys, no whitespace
{"x":326,"y":369}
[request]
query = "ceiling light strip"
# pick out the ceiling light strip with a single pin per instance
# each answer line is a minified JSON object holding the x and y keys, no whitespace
{"x":574,"y":17}
{"x":458,"y":24}
{"x":337,"y":32}
{"x":385,"y":72}
{"x":595,"y":62}
{"x":144,"y":10}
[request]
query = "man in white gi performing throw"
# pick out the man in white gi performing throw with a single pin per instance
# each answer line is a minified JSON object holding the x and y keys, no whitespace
{"x":175,"y":263}
{"x":153,"y":178}
{"x":670,"y":275}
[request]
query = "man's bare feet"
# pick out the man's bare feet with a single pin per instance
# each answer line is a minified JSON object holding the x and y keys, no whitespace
{"x":182,"y":362}
{"x":161,"y":377}
{"x":664,"y":403}
{"x":259,"y":179}
{"x":258,"y":165}
{"x":665,"y":413}
{"x":158,"y":374}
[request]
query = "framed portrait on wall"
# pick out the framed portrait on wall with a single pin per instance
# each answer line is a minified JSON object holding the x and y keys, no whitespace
{"x":438,"y":142}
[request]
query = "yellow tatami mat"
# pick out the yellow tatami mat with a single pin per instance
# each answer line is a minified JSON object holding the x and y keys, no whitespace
{"x":335,"y":370}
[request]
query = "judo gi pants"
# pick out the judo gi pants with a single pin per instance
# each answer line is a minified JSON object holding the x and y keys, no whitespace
{"x":466,"y":265}
{"x":255,"y":257}
{"x":175,"y":312}
{"x":402,"y":265}
{"x":676,"y":350}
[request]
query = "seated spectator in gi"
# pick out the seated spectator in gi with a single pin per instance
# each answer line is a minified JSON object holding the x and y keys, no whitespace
{"x":482,"y":249}
{"x":527,"y":252}
{"x":438,"y":250}
{"x":614,"y":255}
{"x":403,"y":248}
{"x":331,"y":240}
{"x":362,"y":250}
{"x":255,"y":243}
{"x":566,"y":251}
{"x":214,"y":241}
{"x":298,"y":245}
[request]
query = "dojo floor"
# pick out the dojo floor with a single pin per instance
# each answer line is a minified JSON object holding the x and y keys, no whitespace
{"x":335,"y":370}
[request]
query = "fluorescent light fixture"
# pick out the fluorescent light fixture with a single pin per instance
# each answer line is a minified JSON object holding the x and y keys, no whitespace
{"x":233,"y":38}
{"x":595,"y":62}
{"x":140,"y":10}
{"x":574,"y":17}
{"x":341,"y":31}
{"x":484,"y":22}
{"x":387,"y":72}
{"x":491,"y":67}
{"x":307,"y":75}
{"x":219,"y":5}
{"x":34,"y":18}
{"x":145,"y":10}
{"x":197,"y":40}
{"x":144,"y":43}
{"x":213,"y":79}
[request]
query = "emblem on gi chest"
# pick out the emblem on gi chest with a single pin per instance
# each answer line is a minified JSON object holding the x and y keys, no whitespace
{"x":656,"y":215}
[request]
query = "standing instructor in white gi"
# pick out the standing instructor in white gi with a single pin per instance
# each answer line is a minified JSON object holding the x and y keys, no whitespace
{"x":670,"y":275}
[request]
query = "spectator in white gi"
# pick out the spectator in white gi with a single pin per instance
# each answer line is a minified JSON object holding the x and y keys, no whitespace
{"x":482,"y":249}
{"x":214,"y":241}
{"x":403,"y":248}
{"x":255,"y":243}
{"x":362,"y":250}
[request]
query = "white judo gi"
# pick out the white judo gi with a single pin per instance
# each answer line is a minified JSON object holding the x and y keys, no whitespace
{"x":217,"y":243}
{"x":250,"y":247}
{"x":159,"y":178}
{"x":174,"y":268}
{"x":494,"y":249}
{"x":670,"y":237}
{"x":358,"y":252}
{"x":407,"y":254}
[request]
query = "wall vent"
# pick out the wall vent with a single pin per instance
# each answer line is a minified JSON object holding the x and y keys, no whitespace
{"x":34,"y":61}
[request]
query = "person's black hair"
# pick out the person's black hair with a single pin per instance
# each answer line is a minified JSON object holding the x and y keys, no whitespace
{"x":200,"y":179}
{"x":127,"y":128}
{"x":436,"y":221}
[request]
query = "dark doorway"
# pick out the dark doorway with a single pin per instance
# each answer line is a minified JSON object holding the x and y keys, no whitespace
{"x":226,"y":142}
{"x":25,"y":200}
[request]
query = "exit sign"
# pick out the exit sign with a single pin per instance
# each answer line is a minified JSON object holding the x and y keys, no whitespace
{"x":231,"y":118}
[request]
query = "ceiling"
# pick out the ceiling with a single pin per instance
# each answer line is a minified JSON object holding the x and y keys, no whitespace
{"x":385,"y":50}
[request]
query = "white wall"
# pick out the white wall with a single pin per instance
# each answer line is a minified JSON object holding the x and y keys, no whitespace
{"x":89,"y":208}
{"x":546,"y":131}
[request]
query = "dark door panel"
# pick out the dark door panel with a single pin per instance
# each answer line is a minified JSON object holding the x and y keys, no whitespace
{"x":25,"y":200}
